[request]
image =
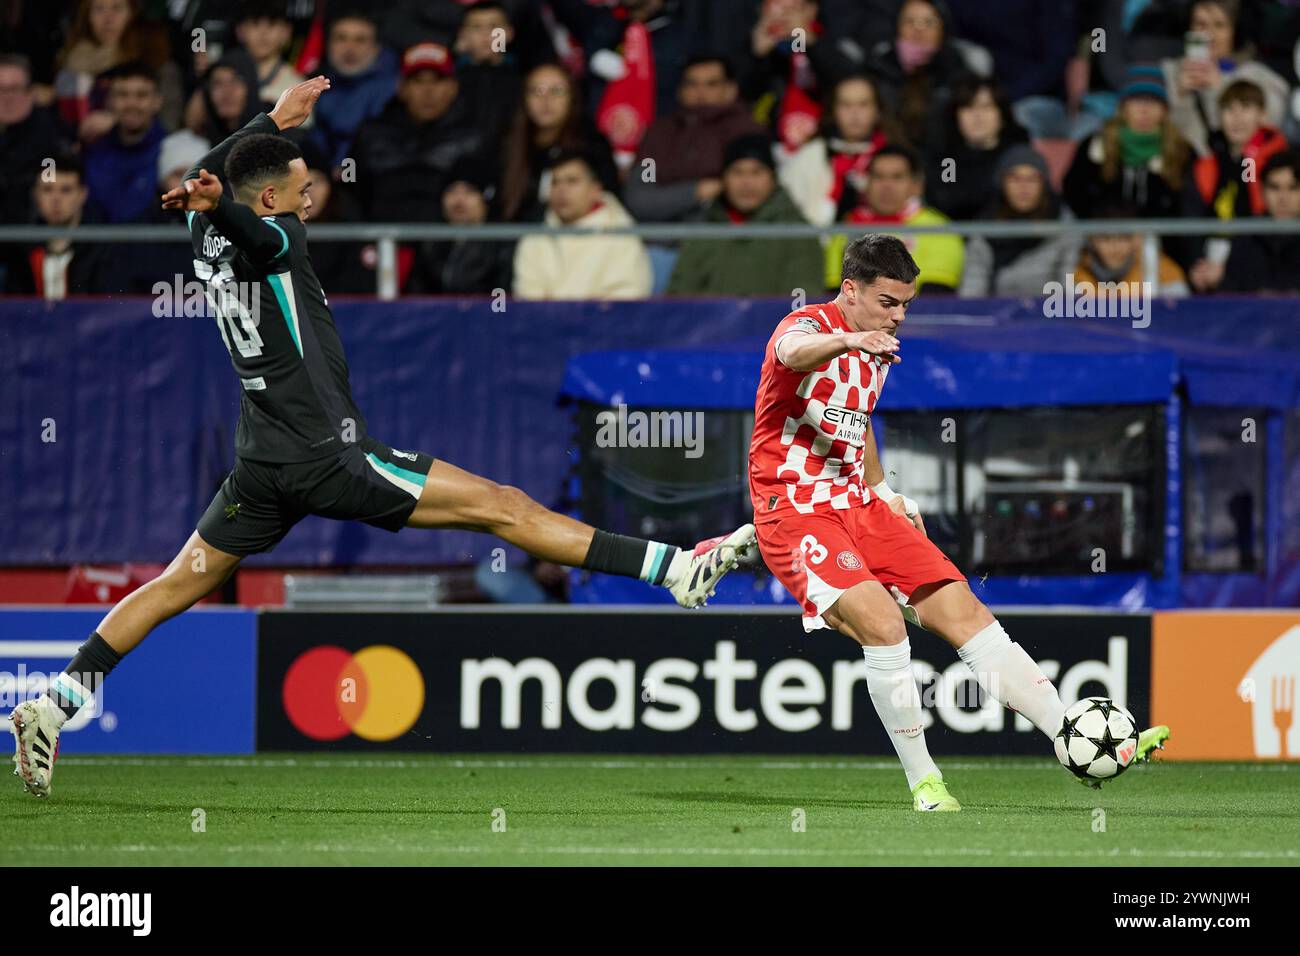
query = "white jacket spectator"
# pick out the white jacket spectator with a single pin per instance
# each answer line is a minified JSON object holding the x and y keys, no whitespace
{"x":814,"y":175}
{"x":561,"y":265}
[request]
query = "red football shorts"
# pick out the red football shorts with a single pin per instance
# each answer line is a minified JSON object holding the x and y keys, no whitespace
{"x":820,"y":556}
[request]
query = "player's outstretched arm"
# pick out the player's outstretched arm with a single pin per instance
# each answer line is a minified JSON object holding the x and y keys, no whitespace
{"x":291,"y":110}
{"x":805,"y":351}
{"x":262,"y":240}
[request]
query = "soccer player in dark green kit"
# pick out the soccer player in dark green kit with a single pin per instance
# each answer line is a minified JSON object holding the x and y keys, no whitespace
{"x":302,"y":446}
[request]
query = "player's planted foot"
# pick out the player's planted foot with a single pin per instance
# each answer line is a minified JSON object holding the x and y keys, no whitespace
{"x":931,"y":795}
{"x":693,"y":575}
{"x":36,"y":743}
{"x":1149,"y":741}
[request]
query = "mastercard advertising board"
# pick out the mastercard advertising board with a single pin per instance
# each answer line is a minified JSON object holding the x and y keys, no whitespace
{"x":503,"y":679}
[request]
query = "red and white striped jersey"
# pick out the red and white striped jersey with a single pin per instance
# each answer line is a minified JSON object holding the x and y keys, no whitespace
{"x":810,"y":427}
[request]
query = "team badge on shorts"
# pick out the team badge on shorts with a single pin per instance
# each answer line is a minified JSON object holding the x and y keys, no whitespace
{"x":848,"y":561}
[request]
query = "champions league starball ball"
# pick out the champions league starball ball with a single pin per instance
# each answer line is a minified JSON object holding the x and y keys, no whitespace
{"x":1097,"y":740}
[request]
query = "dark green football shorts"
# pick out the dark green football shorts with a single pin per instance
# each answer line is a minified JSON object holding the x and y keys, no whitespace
{"x":260,"y":502}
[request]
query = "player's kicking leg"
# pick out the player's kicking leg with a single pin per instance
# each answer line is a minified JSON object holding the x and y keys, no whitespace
{"x":195,"y":573}
{"x":867,"y":613}
{"x":1002,"y":667}
{"x":455,"y":498}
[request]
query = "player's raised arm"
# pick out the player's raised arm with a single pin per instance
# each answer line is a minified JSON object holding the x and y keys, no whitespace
{"x":805,"y":351}
{"x":291,"y":110}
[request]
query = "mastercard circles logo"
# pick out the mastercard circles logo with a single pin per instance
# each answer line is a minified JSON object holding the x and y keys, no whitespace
{"x":376,"y":693}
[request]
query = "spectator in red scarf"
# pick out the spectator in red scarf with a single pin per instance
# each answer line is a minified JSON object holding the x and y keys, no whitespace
{"x":893,"y":194}
{"x":853,"y":130}
{"x":680,"y":166}
{"x":797,"y":62}
{"x":1219,"y":187}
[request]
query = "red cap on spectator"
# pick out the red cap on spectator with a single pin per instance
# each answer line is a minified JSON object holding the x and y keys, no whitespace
{"x":427,"y":56}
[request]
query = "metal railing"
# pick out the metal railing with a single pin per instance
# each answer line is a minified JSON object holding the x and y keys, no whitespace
{"x":386,"y":236}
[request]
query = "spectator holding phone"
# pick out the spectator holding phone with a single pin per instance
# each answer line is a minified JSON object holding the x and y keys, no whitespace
{"x":1213,"y":57}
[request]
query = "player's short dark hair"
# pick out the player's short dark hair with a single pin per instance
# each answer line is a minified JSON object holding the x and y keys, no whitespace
{"x":259,"y":159}
{"x":700,"y":58}
{"x":1286,"y":159}
{"x":874,"y":256}
{"x":575,"y":156}
{"x":902,"y":152}
{"x":132,"y":70}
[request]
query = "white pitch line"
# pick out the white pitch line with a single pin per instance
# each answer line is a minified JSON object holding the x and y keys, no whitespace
{"x":756,"y":852}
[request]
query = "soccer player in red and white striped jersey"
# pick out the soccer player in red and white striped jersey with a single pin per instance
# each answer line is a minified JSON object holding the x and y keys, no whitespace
{"x":848,"y":547}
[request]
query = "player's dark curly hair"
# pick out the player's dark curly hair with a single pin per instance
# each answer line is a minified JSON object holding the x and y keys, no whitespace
{"x":873,"y":256}
{"x":260,"y":159}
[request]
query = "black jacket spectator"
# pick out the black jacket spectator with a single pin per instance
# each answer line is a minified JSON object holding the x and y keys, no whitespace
{"x":461,"y":267}
{"x":22,"y":147}
{"x":1262,"y":264}
{"x":960,"y":189}
{"x":402,"y":165}
{"x":917,"y":94}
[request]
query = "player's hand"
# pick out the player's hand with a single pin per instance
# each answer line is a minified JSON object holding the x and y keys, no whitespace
{"x":900,"y":506}
{"x":296,"y":103}
{"x":195,"y":195}
{"x":875,"y":343}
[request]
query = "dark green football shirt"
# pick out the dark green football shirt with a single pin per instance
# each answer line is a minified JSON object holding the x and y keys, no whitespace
{"x":295,"y":399}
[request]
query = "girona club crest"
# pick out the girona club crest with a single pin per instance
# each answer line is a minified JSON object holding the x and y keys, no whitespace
{"x":848,"y":561}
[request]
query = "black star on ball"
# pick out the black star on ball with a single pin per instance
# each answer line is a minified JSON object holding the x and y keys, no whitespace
{"x":1106,"y":744}
{"x":1103,"y":705}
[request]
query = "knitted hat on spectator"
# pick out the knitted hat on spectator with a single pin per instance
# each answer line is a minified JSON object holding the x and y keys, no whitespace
{"x":751,"y":146}
{"x":1144,"y":81}
{"x":1021,"y":154}
{"x":181,"y":150}
{"x":427,"y":56}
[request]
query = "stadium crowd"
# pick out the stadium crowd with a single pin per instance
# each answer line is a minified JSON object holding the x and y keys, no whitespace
{"x":606,"y":112}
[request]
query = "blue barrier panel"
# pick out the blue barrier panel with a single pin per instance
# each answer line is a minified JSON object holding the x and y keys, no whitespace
{"x":188,"y":689}
{"x":143,"y":408}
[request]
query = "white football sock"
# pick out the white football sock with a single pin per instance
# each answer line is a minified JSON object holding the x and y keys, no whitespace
{"x":1011,"y":677}
{"x":898,"y":704}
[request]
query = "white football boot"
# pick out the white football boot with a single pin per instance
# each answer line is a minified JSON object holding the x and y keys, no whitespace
{"x":693,"y":575}
{"x":35,"y":725}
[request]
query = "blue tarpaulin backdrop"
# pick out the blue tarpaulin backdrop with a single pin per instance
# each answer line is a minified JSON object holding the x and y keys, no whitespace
{"x":117,"y":426}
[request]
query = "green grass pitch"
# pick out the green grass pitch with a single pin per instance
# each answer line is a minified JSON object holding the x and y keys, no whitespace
{"x":377,"y":809}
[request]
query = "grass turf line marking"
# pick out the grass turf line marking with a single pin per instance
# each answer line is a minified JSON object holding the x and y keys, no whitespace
{"x":928,"y":853}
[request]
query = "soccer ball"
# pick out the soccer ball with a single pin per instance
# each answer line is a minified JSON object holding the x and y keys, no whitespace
{"x":1097,"y":740}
